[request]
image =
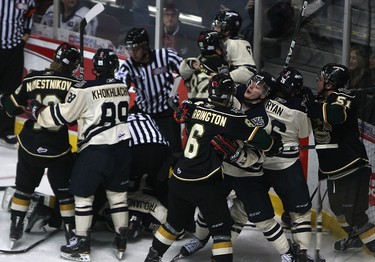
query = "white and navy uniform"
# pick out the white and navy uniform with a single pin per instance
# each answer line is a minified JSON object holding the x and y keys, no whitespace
{"x":284,"y":172}
{"x":101,"y":110}
{"x":16,"y":19}
{"x":72,"y":22}
{"x":240,"y":56}
{"x":153,"y":82}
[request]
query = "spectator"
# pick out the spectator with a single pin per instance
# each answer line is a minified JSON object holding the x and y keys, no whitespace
{"x":43,"y":147}
{"x":101,"y":108}
{"x":175,"y":33}
{"x":16,"y":22}
{"x":359,"y":59}
{"x":151,"y":73}
{"x":71,"y":14}
{"x":334,"y":121}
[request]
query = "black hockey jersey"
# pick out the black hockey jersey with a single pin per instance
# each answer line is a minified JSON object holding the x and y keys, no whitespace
{"x":199,"y":159}
{"x":339,"y":124}
{"x":48,"y":87}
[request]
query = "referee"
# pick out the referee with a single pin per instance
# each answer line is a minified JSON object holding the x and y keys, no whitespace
{"x":15,"y":27}
{"x":150,"y":72}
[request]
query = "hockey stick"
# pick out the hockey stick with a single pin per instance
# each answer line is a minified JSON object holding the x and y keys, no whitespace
{"x":36,"y":243}
{"x":319,"y":225}
{"x":93,"y":12}
{"x":296,"y":29}
{"x":317,"y":147}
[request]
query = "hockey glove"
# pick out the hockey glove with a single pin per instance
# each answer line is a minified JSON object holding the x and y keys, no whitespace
{"x":276,"y":148}
{"x":307,"y":95}
{"x":184,"y":111}
{"x":33,"y":109}
{"x":229,"y":148}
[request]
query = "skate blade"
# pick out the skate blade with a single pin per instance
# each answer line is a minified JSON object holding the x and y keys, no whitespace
{"x":119,"y":254}
{"x":7,"y":198}
{"x":177,"y":257}
{"x":12,"y":242}
{"x":75,"y":257}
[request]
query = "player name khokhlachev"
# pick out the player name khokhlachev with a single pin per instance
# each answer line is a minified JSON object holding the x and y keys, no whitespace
{"x":109,"y":92}
{"x":210,"y":117}
{"x":48,"y":84}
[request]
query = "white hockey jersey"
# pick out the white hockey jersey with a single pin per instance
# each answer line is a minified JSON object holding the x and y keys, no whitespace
{"x":289,"y":120}
{"x":72,"y":22}
{"x":100,"y":108}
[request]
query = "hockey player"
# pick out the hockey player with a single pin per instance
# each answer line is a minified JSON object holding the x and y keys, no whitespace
{"x":284,"y":171}
{"x":335,"y":121}
{"x":238,"y":51}
{"x":245,"y":175}
{"x":101,"y":108}
{"x":197,"y":71}
{"x":197,"y":178}
{"x":40,"y":147}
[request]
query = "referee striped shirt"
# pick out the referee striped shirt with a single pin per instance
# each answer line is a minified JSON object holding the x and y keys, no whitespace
{"x":152,"y":81}
{"x":143,"y":130}
{"x":16,"y":20}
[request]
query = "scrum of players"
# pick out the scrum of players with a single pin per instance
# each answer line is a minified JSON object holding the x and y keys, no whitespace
{"x":238,"y":122}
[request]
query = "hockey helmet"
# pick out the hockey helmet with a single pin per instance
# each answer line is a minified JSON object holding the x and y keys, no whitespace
{"x":208,"y":41}
{"x":221,"y":88}
{"x":266,"y":80}
{"x":105,"y":61}
{"x":67,"y":54}
{"x":137,"y":37}
{"x":228,"y":21}
{"x":290,"y":80}
{"x":335,"y":74}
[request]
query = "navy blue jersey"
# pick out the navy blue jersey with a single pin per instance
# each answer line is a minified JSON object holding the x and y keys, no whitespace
{"x":200,"y":160}
{"x":48,"y":87}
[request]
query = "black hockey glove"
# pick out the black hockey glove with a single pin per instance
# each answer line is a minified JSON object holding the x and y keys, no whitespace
{"x":33,"y":109}
{"x":184,"y":111}
{"x":229,"y":148}
{"x":307,"y":95}
{"x":276,"y":148}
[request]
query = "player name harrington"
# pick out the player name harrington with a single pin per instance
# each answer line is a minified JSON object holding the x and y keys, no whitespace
{"x":109,"y":92}
{"x":210,"y":117}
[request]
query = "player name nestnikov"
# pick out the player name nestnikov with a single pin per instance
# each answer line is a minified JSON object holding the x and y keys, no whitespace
{"x":209,"y":117}
{"x":48,"y":84}
{"x":273,"y":107}
{"x":109,"y":92}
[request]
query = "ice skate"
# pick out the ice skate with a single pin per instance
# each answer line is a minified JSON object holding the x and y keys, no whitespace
{"x":39,"y":213}
{"x":7,"y":198}
{"x":349,"y":244}
{"x":16,"y":231}
{"x":78,"y":249}
{"x":190,"y":248}
{"x":153,"y":256}
{"x":119,"y":244}
{"x":302,"y":256}
{"x":291,"y":255}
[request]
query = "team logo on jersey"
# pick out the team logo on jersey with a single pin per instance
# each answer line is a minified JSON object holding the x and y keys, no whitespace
{"x":41,"y":150}
{"x":258,"y":121}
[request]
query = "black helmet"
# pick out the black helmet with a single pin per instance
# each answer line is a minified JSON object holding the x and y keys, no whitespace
{"x":208,"y":41}
{"x":229,"y":21}
{"x":221,"y":88}
{"x":67,"y":54}
{"x":335,"y":74}
{"x":290,"y":80}
{"x":105,"y":61}
{"x":137,"y":37}
{"x":265,"y":79}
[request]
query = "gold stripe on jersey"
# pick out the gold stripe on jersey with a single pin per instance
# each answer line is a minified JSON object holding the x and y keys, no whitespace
{"x":196,"y":179}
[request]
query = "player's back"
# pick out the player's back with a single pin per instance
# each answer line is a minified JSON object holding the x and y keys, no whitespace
{"x":48,"y":87}
{"x":199,"y":159}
